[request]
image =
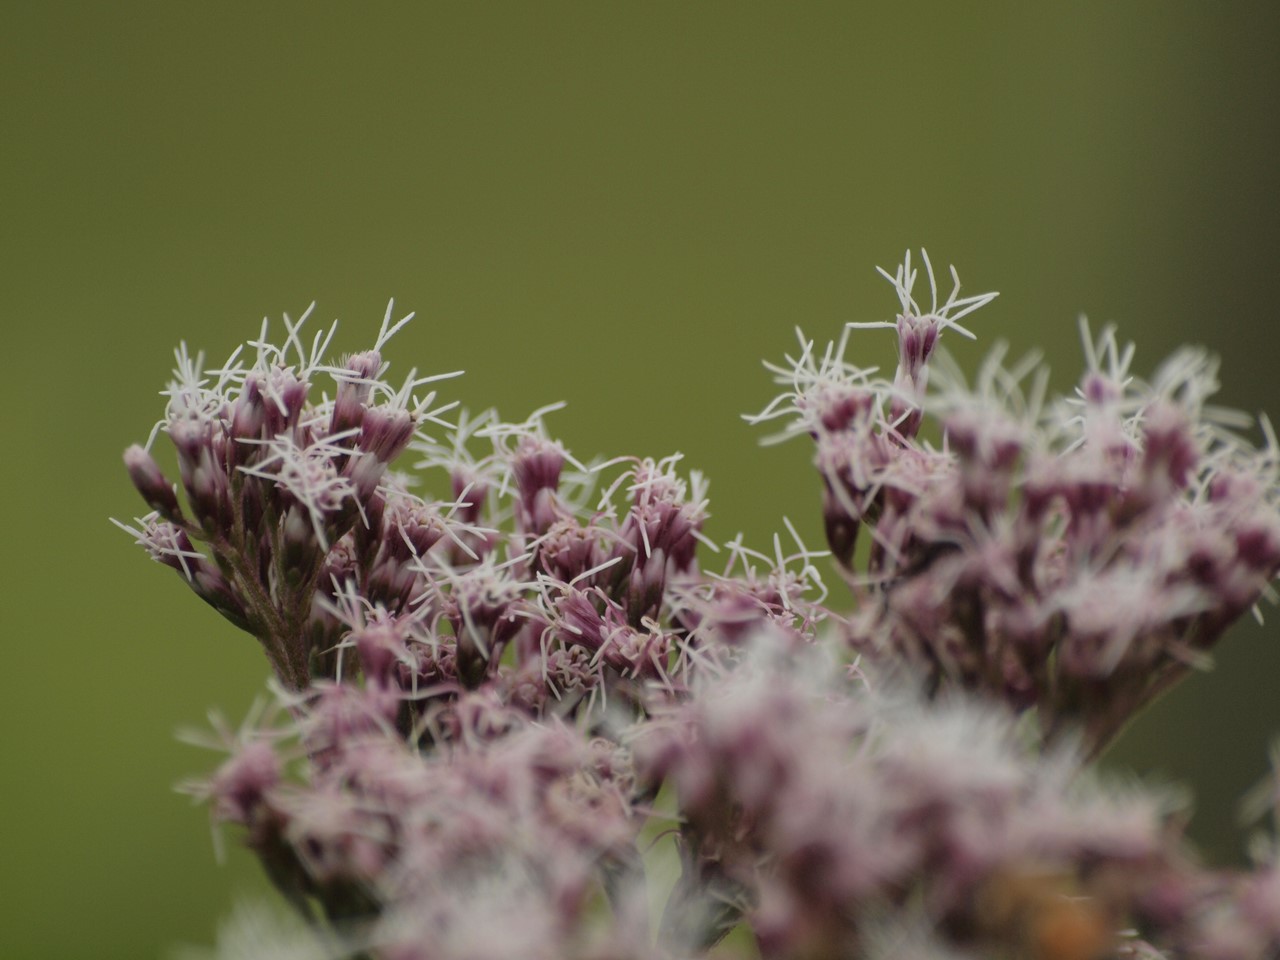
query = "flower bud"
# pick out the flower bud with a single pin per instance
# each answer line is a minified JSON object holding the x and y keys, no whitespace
{"x":285,"y":396}
{"x":385,"y":431}
{"x":355,"y":386}
{"x":151,"y":482}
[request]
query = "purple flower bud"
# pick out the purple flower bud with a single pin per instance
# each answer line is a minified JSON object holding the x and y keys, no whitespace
{"x":484,"y":607}
{"x":1258,"y":544}
{"x":570,"y":672}
{"x":249,"y":415}
{"x":412,"y":528}
{"x":577,"y":618}
{"x":646,"y":586}
{"x":1099,"y":390}
{"x":284,"y":396}
{"x":393,"y":583}
{"x":568,"y":550}
{"x":363,"y":472}
{"x":385,"y":431}
{"x":150,"y":481}
{"x":382,"y":647}
{"x":841,"y":529}
{"x":240,"y":785}
{"x":203,"y":476}
{"x":638,"y":653}
{"x":1170,"y":452}
{"x":355,"y":386}
{"x":536,"y":464}
{"x":917,"y":337}
{"x":214,"y":589}
{"x":847,"y":408}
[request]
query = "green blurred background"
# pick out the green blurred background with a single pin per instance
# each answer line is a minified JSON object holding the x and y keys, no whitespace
{"x":623,"y":207}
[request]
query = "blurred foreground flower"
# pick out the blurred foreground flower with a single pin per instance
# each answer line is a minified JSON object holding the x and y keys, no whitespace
{"x":501,"y":713}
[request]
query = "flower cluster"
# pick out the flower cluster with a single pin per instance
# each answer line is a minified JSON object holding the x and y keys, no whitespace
{"x":496,"y":708}
{"x":1074,"y":557}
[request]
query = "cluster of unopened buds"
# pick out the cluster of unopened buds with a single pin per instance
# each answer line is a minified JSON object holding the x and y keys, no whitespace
{"x":515,"y":714}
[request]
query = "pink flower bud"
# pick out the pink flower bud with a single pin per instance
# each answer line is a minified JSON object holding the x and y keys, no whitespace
{"x":151,"y":482}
